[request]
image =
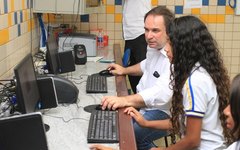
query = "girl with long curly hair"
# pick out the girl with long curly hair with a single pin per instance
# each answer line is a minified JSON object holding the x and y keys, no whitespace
{"x":200,"y":86}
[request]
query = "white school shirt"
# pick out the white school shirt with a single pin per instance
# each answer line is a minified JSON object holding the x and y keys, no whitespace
{"x":133,"y":17}
{"x":200,"y":99}
{"x":234,"y":146}
{"x":155,"y":92}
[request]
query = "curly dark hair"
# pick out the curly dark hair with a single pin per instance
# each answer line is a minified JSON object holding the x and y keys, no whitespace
{"x":191,"y":43}
{"x":235,"y":105}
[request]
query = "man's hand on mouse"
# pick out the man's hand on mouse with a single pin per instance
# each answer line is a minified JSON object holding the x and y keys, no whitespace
{"x":113,"y":102}
{"x":116,"y":69}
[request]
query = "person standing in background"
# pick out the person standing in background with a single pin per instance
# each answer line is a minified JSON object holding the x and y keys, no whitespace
{"x":133,"y":33}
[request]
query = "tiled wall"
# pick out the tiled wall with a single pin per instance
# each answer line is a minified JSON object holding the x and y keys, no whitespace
{"x":17,"y":29}
{"x":217,"y":14}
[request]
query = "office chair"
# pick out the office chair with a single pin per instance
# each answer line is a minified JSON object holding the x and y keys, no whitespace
{"x":126,"y":57}
{"x":125,"y":61}
{"x":173,"y":139}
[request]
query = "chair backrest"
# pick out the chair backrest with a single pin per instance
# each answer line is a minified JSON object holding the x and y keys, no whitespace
{"x":126,"y":57}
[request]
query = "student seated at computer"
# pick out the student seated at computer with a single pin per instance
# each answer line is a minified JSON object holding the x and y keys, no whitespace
{"x":232,"y":113}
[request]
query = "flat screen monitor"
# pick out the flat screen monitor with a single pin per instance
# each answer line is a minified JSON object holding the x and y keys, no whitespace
{"x":28,"y":95}
{"x":52,"y":58}
{"x":23,"y":132}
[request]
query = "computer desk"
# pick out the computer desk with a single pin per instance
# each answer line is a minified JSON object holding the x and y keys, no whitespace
{"x":69,"y":123}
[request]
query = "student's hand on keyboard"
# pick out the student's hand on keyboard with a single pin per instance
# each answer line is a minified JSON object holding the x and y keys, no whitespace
{"x":136,"y":115}
{"x":99,"y":147}
{"x":113,"y":102}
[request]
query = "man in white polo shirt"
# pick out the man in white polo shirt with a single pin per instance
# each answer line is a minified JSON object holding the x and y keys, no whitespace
{"x":153,"y":92}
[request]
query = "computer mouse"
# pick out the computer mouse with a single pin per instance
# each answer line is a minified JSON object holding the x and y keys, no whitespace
{"x":106,"y":73}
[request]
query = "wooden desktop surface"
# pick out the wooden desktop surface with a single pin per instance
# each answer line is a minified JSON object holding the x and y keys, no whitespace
{"x":126,"y":132}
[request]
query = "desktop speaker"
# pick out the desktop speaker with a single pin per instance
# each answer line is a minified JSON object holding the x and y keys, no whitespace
{"x":47,"y":92}
{"x":66,"y":62}
{"x":80,"y":54}
{"x":66,"y":91}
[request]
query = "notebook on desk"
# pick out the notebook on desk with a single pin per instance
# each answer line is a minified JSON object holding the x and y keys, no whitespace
{"x":23,"y":132}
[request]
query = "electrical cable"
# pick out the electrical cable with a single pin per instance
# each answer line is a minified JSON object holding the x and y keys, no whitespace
{"x":66,"y":121}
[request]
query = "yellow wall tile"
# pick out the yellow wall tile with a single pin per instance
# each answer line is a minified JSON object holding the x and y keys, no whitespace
{"x":220,"y":18}
{"x":196,"y":11}
{"x":45,"y":17}
{"x":25,"y":15}
{"x":9,"y":19}
{"x":104,"y":1}
{"x":229,"y":10}
{"x":212,"y":18}
{"x":204,"y":18}
{"x":51,"y":18}
{"x":154,"y":2}
{"x":4,"y":36}
{"x":23,"y":4}
{"x":110,"y":9}
{"x":118,"y":18}
{"x":29,"y":26}
{"x":12,"y":3}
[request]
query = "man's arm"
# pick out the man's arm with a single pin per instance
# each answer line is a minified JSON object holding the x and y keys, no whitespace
{"x":114,"y":102}
{"x":134,"y":70}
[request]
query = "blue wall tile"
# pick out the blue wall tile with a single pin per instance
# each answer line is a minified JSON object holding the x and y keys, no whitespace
{"x":19,"y":30}
{"x":84,"y":18}
{"x":21,"y":16}
{"x":178,"y":9}
{"x":205,"y":2}
{"x":221,"y":3}
{"x":28,"y":3}
{"x":15,"y":18}
{"x":5,"y":6}
{"x":118,"y":2}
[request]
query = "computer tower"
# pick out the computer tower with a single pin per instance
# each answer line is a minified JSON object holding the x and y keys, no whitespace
{"x":66,"y":62}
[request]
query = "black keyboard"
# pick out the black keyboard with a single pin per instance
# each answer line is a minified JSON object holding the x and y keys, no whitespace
{"x":103,"y":127}
{"x":96,"y":84}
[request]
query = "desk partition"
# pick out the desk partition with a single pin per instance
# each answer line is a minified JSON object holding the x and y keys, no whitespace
{"x":127,"y":137}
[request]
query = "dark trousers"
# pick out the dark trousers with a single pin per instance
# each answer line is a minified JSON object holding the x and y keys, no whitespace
{"x":138,"y":49}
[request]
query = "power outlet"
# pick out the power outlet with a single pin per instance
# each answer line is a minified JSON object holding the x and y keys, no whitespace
{"x":237,"y":8}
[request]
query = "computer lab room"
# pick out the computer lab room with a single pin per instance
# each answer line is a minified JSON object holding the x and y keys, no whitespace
{"x":115,"y":74}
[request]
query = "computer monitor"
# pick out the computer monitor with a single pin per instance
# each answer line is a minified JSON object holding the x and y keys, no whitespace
{"x":52,"y":58}
{"x":27,"y":91}
{"x":23,"y":132}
